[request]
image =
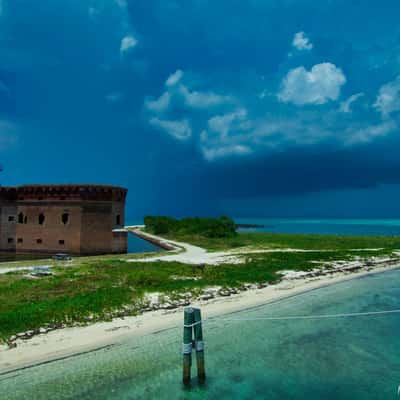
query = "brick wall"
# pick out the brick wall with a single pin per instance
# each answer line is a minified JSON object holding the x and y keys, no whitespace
{"x":50,"y":234}
{"x":76,"y":219}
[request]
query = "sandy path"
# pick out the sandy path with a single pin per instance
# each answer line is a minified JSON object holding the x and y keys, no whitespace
{"x":189,"y":254}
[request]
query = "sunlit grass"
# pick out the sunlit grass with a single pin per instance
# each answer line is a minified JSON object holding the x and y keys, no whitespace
{"x":98,"y":286}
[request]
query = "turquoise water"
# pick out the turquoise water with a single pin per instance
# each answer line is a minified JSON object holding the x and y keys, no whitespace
{"x":137,"y":245}
{"x":385,"y":227}
{"x":344,"y":358}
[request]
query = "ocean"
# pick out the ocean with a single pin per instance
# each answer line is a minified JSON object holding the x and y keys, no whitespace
{"x":355,"y":358}
{"x":370,"y":227}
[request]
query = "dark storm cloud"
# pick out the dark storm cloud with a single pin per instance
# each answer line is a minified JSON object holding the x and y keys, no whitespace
{"x":300,"y":171}
{"x":251,"y":115}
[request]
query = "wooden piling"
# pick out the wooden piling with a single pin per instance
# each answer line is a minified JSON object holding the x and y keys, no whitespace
{"x":199,"y":345}
{"x":188,"y":321}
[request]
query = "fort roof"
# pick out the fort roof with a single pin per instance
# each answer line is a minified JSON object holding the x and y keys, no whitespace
{"x":69,"y":191}
{"x":67,"y":186}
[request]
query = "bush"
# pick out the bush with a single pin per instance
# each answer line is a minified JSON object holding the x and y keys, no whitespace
{"x":221,"y":227}
{"x":160,"y":225}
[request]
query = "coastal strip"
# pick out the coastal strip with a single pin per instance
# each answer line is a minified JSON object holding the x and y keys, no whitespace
{"x":66,"y":342}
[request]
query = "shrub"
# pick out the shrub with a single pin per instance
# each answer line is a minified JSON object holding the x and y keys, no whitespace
{"x":221,"y":227}
{"x":160,"y":225}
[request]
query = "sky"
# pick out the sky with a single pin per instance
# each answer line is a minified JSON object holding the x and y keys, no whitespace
{"x":207,"y":107}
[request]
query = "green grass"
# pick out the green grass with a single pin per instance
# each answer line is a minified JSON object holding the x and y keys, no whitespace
{"x":99,"y":286}
{"x":76,"y":260}
{"x":298,"y":241}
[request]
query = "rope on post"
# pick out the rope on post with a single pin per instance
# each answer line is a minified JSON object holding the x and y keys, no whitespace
{"x":317,"y":316}
{"x":187,"y":345}
{"x":199,"y":345}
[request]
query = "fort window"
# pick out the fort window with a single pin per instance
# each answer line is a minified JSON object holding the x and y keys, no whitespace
{"x":11,"y":218}
{"x":20,"y":240}
{"x":20,"y":218}
{"x":41,"y":219}
{"x":65,"y":218}
{"x":39,"y":241}
{"x":10,"y":240}
{"x":62,"y":242}
{"x":118,"y":220}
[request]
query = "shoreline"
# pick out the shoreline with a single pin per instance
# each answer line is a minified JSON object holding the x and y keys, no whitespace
{"x":74,"y":341}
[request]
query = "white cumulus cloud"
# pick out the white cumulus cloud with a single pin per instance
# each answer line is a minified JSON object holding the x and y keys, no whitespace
{"x":174,"y":78}
{"x":388,"y":100}
{"x":317,"y":86}
{"x":227,"y":135}
{"x":179,"y":93}
{"x":213,"y":153}
{"x":369,"y":133}
{"x":196,"y":99}
{"x":128,"y":43}
{"x":225,"y":123}
{"x":179,"y":129}
{"x":302,"y":42}
{"x":345,"y":106}
{"x":159,"y":105}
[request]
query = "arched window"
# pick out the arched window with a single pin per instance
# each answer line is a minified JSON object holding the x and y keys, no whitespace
{"x":65,"y":218}
{"x":21,"y":218}
{"x":41,"y":219}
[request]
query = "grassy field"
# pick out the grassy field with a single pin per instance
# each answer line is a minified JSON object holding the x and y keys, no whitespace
{"x":95,"y":288}
{"x":297,"y":241}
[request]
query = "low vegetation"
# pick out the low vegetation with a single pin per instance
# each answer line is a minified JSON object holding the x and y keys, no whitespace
{"x":293,"y":241}
{"x":98,"y":288}
{"x":211,"y":228}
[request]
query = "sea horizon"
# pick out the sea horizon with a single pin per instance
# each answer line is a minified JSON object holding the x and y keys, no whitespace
{"x":336,"y":226}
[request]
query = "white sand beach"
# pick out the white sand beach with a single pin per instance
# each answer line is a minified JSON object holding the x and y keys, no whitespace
{"x":66,"y":342}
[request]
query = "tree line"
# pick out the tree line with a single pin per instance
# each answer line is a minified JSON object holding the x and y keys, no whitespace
{"x":208,"y":227}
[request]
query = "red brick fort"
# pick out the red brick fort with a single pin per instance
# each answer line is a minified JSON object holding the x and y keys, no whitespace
{"x":76,"y":219}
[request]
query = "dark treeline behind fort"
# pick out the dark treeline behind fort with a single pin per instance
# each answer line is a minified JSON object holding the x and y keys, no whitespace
{"x":209,"y":227}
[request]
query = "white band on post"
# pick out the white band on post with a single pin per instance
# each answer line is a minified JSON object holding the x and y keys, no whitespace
{"x":187,"y":348}
{"x":199,"y":345}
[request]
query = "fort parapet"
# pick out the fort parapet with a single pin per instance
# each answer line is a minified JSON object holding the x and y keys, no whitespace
{"x":76,"y":219}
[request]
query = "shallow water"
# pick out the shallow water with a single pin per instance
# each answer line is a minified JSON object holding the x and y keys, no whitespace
{"x":370,"y":227}
{"x":138,"y":245}
{"x":344,"y":358}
